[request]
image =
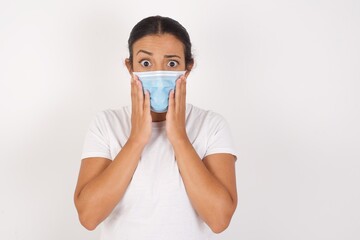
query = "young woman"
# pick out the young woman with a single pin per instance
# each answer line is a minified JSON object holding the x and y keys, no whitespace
{"x":157,"y":174}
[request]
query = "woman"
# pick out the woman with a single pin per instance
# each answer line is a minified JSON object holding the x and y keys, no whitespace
{"x":149,"y":174}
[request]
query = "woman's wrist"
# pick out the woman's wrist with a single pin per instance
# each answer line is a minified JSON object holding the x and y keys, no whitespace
{"x":139,"y":142}
{"x":179,"y":140}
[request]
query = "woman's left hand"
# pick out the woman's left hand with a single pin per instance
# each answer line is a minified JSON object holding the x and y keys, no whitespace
{"x":175,"y":116}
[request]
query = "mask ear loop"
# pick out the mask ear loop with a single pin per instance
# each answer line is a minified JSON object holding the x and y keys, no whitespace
{"x":185,"y":74}
{"x":132,"y":77}
{"x":182,"y":75}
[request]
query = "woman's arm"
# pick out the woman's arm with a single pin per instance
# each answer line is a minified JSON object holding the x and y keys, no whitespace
{"x":210,"y":183}
{"x":102,"y":182}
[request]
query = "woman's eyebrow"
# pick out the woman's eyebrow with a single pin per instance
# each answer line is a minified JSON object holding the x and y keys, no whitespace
{"x":143,"y":51}
{"x":171,"y":56}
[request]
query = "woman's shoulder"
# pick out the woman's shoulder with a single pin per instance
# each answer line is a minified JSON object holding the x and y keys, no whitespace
{"x":111,"y":115}
{"x":200,"y":114}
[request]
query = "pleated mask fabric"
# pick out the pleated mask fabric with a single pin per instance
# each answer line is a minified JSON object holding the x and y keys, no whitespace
{"x":159,"y":84}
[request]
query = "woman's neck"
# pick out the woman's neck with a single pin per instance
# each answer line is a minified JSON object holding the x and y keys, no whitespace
{"x":158,"y":117}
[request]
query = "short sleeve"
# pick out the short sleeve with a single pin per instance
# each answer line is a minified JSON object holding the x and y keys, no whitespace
{"x":220,"y":139}
{"x":96,"y":142}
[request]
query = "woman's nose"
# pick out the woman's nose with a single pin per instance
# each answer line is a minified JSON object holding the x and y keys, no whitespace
{"x":158,"y":67}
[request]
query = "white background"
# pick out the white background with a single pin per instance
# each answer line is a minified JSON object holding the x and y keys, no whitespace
{"x":285,"y":74}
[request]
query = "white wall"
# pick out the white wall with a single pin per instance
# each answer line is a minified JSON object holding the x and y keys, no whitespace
{"x":285,"y":74}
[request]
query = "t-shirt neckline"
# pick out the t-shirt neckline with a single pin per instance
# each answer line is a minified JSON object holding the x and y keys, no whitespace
{"x":158,"y":124}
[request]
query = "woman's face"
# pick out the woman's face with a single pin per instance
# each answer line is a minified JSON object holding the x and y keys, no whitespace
{"x":158,"y":53}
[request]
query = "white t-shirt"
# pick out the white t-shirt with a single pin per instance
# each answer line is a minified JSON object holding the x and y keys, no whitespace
{"x":155,"y":204}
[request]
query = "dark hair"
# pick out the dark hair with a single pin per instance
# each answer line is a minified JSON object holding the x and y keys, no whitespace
{"x":160,"y":25}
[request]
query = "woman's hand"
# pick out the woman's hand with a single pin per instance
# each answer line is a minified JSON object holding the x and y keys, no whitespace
{"x":175,"y":117}
{"x":140,"y":114}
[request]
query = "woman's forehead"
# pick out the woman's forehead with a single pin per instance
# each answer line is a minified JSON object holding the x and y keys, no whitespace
{"x":158,"y":44}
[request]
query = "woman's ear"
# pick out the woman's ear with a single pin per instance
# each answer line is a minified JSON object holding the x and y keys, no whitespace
{"x":188,"y":68}
{"x":128,"y":65}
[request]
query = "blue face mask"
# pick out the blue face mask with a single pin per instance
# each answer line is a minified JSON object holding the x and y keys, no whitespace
{"x":159,"y":84}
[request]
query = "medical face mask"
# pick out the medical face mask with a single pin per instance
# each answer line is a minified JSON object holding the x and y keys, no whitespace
{"x":159,"y":84}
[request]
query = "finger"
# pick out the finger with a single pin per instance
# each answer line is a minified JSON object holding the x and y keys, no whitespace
{"x":178,"y":94}
{"x":147,"y":102}
{"x":171,"y":101}
{"x":135,"y":100}
{"x":183,"y":94}
{"x":139,"y":95}
{"x":133,"y":96}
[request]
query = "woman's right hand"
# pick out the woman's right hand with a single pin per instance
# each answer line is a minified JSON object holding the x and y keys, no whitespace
{"x":140,"y":114}
{"x":103,"y":182}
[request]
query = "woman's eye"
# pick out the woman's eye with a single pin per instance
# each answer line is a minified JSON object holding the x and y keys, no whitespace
{"x":173,"y":63}
{"x":145,"y":63}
